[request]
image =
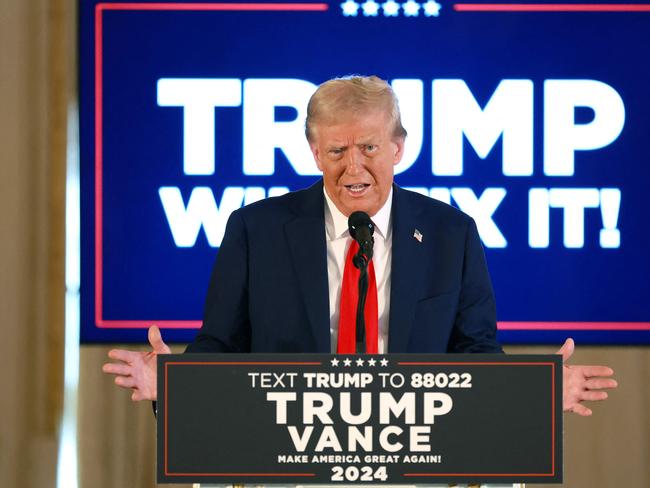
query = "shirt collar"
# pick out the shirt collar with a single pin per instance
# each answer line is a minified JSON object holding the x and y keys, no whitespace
{"x":336,"y":224}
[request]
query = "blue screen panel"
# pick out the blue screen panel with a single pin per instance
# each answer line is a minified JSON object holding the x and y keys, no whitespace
{"x":532,"y":118}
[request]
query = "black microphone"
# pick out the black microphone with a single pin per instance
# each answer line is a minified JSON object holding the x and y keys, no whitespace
{"x":361,"y":229}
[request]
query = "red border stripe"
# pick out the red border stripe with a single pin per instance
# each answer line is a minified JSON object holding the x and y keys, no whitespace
{"x":249,"y":363}
{"x":145,"y":324}
{"x":603,"y":326}
{"x":195,"y":324}
{"x":408,"y":475}
{"x":550,"y":326}
{"x":241,"y":7}
{"x":99,"y":236}
{"x":553,"y":419}
{"x":476,"y":474}
{"x":98,"y":167}
{"x":472,"y":363}
{"x":304,"y":475}
{"x":547,"y":7}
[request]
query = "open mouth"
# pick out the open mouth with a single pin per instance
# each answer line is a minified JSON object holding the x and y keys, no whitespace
{"x":357,"y":188}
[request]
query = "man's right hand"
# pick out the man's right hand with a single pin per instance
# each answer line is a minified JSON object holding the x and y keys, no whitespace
{"x":137,"y":370}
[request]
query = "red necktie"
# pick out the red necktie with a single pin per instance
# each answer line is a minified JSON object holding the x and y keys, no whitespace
{"x":349,"y":298}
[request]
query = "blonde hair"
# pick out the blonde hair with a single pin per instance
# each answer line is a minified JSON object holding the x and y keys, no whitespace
{"x":352,"y":94}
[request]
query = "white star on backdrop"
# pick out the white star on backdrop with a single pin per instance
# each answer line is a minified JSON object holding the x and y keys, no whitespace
{"x":431,"y":8}
{"x":371,"y":362}
{"x":384,"y":362}
{"x":411,"y":8}
{"x":350,"y":8}
{"x":359,"y":362}
{"x":335,"y":362}
{"x":370,"y":8}
{"x":391,"y":8}
{"x":347,"y":362}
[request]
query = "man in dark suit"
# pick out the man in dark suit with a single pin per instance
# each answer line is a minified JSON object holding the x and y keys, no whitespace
{"x":276,"y":285}
{"x":269,"y":289}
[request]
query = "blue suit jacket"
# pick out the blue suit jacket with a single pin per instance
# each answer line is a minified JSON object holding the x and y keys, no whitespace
{"x":269,"y":288}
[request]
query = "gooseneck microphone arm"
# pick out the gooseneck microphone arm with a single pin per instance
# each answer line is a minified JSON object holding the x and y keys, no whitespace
{"x":361,"y":229}
{"x":361,"y":305}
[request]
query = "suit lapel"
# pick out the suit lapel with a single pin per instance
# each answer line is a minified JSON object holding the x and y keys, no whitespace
{"x":306,"y":239}
{"x":306,"y":233}
{"x":406,"y":280}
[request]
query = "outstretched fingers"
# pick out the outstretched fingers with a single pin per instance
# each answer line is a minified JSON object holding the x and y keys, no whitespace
{"x":156,"y":341}
{"x":125,"y":381}
{"x":586,"y":384}
{"x":138,"y":396}
{"x":591,"y":371}
{"x":600,"y":384}
{"x":566,"y":351}
{"x":137,"y":369}
{"x":593,"y":396}
{"x":581,"y":410}
{"x":123,"y":355}
{"x":117,"y":368}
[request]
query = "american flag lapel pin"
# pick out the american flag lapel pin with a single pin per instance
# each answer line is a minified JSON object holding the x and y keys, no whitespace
{"x":418,"y":235}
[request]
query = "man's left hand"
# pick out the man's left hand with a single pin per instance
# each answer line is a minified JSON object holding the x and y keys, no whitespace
{"x":583,"y":383}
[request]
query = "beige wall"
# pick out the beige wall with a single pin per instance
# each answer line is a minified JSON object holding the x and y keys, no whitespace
{"x":33,"y":90}
{"x":612,"y":447}
{"x":116,"y":437}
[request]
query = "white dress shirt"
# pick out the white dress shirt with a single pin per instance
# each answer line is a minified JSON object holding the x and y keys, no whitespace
{"x":338,"y":243}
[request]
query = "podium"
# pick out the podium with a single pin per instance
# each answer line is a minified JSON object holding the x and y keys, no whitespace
{"x":391,"y":420}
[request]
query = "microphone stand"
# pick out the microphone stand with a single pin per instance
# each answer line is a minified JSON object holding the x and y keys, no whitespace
{"x":361,"y":230}
{"x":361,"y":261}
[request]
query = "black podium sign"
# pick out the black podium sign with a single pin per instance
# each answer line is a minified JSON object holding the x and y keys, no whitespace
{"x":394,"y":419}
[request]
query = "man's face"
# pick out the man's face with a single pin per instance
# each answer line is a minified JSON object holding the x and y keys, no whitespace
{"x":356,"y":155}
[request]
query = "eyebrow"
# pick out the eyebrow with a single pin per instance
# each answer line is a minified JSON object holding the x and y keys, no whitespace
{"x":362,"y":142}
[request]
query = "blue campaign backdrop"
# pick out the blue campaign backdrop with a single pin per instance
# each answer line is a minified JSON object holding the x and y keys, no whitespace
{"x":533,"y":122}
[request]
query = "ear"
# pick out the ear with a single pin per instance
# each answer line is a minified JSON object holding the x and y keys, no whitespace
{"x":316,"y":153}
{"x":399,"y":150}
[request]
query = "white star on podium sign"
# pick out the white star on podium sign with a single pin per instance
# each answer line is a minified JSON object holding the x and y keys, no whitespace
{"x":370,"y":8}
{"x":391,"y":8}
{"x":384,"y":362}
{"x":350,"y":8}
{"x":335,"y":362}
{"x":371,"y":362}
{"x":431,"y":8}
{"x":411,"y":8}
{"x":359,"y":362}
{"x":347,"y":362}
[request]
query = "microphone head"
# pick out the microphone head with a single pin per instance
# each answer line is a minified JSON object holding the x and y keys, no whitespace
{"x":358,"y":220}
